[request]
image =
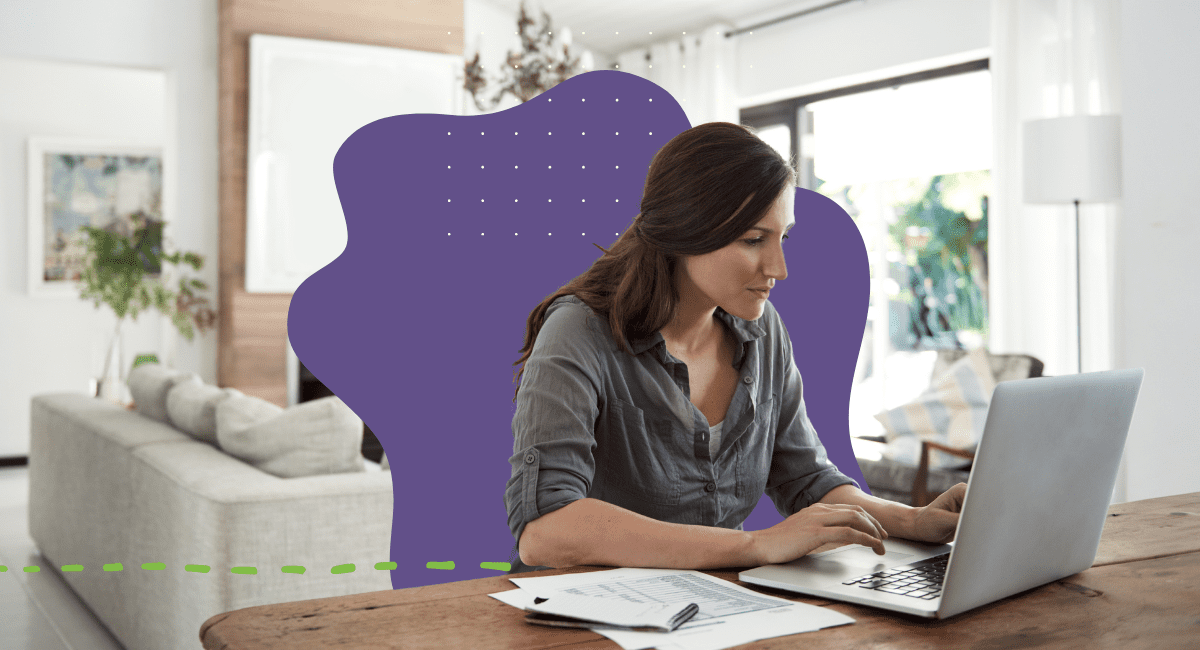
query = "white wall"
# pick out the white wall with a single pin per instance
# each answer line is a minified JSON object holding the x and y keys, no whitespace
{"x":56,"y":345}
{"x":1158,"y":302}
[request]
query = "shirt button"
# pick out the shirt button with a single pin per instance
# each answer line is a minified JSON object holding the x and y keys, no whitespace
{"x":748,"y":379}
{"x":529,"y":459}
{"x":710,"y":487}
{"x":703,"y":437}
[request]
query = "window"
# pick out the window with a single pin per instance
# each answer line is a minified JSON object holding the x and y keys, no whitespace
{"x":908,"y":159}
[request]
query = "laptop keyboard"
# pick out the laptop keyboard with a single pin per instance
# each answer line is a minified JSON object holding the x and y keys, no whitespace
{"x":921,"y":580}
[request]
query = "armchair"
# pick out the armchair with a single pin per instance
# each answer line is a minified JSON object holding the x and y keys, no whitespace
{"x":920,"y":484}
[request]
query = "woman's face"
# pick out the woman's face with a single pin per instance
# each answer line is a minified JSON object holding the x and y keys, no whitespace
{"x":731,"y":277}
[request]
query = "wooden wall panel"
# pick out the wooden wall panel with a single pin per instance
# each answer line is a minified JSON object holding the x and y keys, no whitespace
{"x":252,"y":330}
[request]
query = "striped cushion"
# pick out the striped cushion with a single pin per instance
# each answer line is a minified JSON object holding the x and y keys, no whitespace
{"x":952,"y":411}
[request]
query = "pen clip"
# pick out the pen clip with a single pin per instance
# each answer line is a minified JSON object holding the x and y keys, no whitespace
{"x":683,"y":616}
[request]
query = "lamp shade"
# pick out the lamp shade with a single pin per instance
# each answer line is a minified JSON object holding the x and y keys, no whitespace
{"x":1071,"y":159}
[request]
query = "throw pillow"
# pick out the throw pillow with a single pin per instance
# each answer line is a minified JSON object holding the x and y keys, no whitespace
{"x":319,"y":437}
{"x":952,"y":411}
{"x":192,"y":408}
{"x":1005,"y":367}
{"x":149,"y":384}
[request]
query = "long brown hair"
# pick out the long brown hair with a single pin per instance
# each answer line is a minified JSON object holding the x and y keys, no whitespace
{"x":704,"y":190}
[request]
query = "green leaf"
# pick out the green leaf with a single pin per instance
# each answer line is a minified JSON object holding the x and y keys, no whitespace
{"x":116,"y":274}
{"x":184,"y":324}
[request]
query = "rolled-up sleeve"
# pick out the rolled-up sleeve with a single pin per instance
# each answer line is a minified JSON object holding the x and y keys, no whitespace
{"x":554,"y":425}
{"x":801,"y":472}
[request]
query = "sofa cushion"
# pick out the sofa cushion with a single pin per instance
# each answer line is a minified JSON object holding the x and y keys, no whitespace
{"x":149,"y":384}
{"x":1005,"y":367}
{"x":192,"y":408}
{"x":952,"y":411}
{"x":319,"y":437}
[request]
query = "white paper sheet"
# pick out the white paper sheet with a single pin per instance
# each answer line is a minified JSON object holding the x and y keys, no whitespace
{"x":729,"y":614}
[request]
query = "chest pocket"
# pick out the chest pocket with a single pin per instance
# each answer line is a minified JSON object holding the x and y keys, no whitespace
{"x":754,"y":450}
{"x":636,"y":456}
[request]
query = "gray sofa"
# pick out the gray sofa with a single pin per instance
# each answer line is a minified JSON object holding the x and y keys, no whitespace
{"x":108,"y":485}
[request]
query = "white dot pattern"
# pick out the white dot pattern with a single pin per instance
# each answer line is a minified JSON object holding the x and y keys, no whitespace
{"x":549,"y":200}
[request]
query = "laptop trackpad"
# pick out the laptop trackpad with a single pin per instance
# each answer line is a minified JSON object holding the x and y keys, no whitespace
{"x":861,"y":556}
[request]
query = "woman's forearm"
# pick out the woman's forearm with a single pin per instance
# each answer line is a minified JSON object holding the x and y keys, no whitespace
{"x":593,"y":532}
{"x":896,"y":518}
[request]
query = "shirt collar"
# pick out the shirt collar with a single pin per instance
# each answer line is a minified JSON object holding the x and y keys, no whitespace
{"x":744,"y":330}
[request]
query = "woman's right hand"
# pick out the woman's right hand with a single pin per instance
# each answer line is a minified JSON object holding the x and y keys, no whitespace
{"x":815,"y":526}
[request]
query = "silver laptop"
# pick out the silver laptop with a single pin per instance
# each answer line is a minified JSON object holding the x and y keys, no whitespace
{"x":1036,"y":502}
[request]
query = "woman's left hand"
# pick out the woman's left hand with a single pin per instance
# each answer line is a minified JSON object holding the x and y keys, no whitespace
{"x":938,"y":521}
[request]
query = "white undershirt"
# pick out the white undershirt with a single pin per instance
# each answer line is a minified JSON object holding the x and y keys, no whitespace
{"x":714,"y":439}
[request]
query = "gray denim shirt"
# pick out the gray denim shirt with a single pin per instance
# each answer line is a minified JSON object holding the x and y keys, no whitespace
{"x":594,"y":421}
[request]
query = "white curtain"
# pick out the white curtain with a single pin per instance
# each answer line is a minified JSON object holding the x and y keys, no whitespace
{"x":697,"y":69}
{"x":1050,"y":58}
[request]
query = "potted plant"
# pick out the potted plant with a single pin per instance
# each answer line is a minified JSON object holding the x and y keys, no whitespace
{"x":126,"y":273}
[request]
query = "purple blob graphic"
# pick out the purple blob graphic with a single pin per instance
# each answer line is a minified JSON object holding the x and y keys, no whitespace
{"x":457,"y":228}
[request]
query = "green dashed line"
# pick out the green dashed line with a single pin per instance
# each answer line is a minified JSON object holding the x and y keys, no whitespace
{"x":196,"y":568}
{"x":3,"y":569}
{"x":342,"y":568}
{"x":32,"y":569}
{"x":69,"y":568}
{"x":440,"y":565}
{"x":385,"y":566}
{"x":154,"y":566}
{"x":114,"y":567}
{"x":293,"y":569}
{"x":244,"y":570}
{"x":496,"y":566}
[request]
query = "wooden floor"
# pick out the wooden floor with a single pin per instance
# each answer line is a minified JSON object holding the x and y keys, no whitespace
{"x":39,"y":610}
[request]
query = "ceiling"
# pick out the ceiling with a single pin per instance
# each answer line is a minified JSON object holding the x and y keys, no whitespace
{"x":614,"y":26}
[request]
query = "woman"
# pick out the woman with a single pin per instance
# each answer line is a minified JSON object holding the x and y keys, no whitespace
{"x":659,"y":397}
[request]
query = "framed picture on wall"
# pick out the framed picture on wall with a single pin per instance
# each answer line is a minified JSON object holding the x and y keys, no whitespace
{"x":74,"y":183}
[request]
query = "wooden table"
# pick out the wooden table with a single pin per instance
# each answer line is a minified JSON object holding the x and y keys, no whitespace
{"x":1142,"y":592}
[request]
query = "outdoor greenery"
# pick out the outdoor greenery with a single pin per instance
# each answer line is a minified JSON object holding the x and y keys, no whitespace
{"x":125,"y":273}
{"x":943,"y":279}
{"x":937,"y":251}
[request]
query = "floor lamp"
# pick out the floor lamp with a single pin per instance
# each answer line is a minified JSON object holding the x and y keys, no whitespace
{"x":1071,"y":160}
